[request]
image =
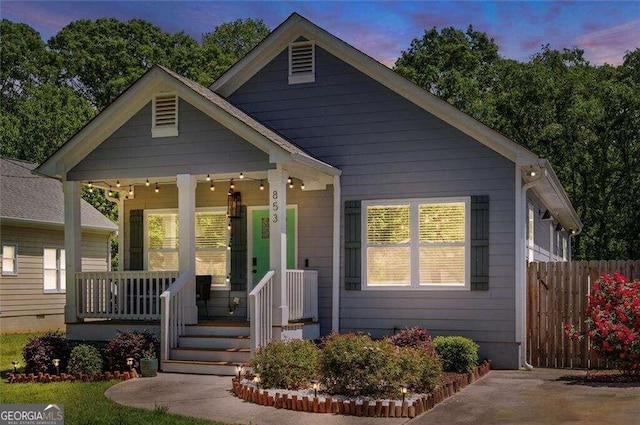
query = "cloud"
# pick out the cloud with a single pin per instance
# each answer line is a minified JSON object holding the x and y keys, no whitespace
{"x":610,"y":44}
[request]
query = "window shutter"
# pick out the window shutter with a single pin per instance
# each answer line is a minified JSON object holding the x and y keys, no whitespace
{"x":479,"y":243}
{"x":136,"y":240}
{"x":352,"y":245}
{"x":239,"y":252}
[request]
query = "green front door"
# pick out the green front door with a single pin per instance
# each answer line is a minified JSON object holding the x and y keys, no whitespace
{"x":260,"y":241}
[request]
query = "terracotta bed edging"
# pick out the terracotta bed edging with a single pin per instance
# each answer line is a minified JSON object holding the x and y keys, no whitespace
{"x":367,"y":408}
{"x":17,"y":378}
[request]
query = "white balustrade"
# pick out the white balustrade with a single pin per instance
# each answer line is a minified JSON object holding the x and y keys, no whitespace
{"x":175,"y":300}
{"x":127,"y":295}
{"x":261,"y":305}
{"x":302,"y":295}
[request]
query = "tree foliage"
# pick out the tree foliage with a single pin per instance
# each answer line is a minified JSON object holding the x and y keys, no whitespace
{"x":585,"y":119}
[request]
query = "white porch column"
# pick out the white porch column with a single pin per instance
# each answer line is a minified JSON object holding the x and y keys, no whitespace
{"x":72,"y":246}
{"x":187,"y":239}
{"x":278,"y":243}
{"x":120,"y":235}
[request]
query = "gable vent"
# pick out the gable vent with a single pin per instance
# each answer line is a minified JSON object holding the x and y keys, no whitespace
{"x":165,"y":115}
{"x":302,"y":62}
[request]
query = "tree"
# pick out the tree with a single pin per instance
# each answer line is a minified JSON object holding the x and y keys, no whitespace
{"x":229,"y":42}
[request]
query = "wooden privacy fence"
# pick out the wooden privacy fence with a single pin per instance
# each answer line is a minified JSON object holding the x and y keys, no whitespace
{"x":556,"y":295}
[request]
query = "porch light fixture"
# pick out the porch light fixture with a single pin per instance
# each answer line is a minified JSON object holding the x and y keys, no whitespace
{"x":15,"y":364}
{"x":261,"y":185}
{"x":146,"y":183}
{"x":547,"y":215}
{"x":256,"y":380}
{"x":573,"y":232}
{"x":110,"y":191}
{"x":241,"y":176}
{"x":558,"y":227}
{"x":117,"y":183}
{"x":532,"y":173}
{"x":403,"y":390}
{"x":212,"y":187}
{"x":130,"y":190}
{"x":157,"y":188}
{"x":90,"y":187}
{"x":56,"y":363}
{"x":239,"y":371}
{"x":315,"y":385}
{"x":208,"y":178}
{"x":234,"y":204}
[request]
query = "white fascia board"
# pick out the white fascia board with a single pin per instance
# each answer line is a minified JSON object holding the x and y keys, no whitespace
{"x":297,"y":26}
{"x":100,"y":127}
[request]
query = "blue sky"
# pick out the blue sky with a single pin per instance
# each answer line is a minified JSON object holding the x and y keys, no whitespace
{"x":605,"y":30}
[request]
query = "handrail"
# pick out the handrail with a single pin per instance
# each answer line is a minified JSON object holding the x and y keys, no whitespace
{"x":172,"y":315}
{"x":261,"y":307}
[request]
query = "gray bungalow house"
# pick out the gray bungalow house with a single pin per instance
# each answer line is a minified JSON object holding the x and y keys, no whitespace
{"x":310,"y":189}
{"x":33,"y":281}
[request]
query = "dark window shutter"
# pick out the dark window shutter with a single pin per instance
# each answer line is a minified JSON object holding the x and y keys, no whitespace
{"x":136,"y":240}
{"x":479,"y":243}
{"x":352,"y":245}
{"x":238,"y":274}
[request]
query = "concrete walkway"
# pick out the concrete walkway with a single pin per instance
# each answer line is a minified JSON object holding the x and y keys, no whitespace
{"x":501,"y":397}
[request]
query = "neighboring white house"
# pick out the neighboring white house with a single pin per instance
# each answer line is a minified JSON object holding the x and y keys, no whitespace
{"x":319,"y":191}
{"x":33,"y":280}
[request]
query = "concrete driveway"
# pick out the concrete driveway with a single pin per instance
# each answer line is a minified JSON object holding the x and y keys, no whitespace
{"x":501,"y":397}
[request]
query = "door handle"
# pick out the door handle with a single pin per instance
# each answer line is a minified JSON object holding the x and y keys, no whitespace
{"x":254,"y":271}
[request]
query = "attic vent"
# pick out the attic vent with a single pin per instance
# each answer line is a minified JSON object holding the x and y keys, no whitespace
{"x":165,"y":115}
{"x":302,"y":67}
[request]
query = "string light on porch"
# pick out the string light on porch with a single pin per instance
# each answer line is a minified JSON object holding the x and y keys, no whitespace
{"x":118,"y":183}
{"x":157,"y":189}
{"x":130,"y":190}
{"x":90,"y":187}
{"x":302,"y":186}
{"x":208,"y":177}
{"x":241,"y":176}
{"x":212,"y":187}
{"x":146,"y":183}
{"x":232,"y":186}
{"x":261,"y":185}
{"x":110,"y":191}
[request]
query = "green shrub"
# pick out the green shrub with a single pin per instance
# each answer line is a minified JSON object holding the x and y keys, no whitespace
{"x":85,"y":359}
{"x":415,"y":337}
{"x":421,"y":370}
{"x":290,"y":365}
{"x":128,"y":344}
{"x":40,"y":351}
{"x":458,"y":354}
{"x":355,"y":365}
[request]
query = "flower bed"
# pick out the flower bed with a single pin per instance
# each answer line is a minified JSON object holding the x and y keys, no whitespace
{"x":305,"y":401}
{"x":14,"y":378}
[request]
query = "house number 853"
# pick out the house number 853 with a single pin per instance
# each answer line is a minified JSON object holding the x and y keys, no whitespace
{"x":274,"y":206}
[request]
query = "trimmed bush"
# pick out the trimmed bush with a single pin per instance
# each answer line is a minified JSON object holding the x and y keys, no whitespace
{"x":458,"y":354}
{"x":40,"y":351}
{"x":415,"y":337}
{"x":290,"y":365}
{"x":128,"y":344}
{"x":85,"y":359}
{"x":355,"y":365}
{"x":421,"y":371}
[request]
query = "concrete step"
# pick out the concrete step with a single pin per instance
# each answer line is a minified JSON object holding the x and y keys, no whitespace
{"x":215,"y":341}
{"x":232,"y":355}
{"x":200,"y":367}
{"x":220,"y":328}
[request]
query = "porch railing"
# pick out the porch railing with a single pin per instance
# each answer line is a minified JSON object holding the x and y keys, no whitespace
{"x":302,"y":295}
{"x":175,"y":300}
{"x":128,"y":295}
{"x":260,"y":304}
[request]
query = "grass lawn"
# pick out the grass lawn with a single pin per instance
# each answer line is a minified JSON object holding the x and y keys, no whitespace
{"x":84,"y":403}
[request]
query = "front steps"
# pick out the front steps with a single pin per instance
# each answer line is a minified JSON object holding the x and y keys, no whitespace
{"x":211,"y":348}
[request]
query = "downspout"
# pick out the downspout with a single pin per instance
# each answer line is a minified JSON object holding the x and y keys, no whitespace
{"x":521,"y":299}
{"x":335,"y":294}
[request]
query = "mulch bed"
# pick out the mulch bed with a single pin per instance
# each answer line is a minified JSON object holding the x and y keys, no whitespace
{"x":16,"y":378}
{"x":451,"y":383}
{"x":611,"y":376}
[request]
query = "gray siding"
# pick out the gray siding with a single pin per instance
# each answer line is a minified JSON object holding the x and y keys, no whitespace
{"x":23,"y":304}
{"x":315,"y":220}
{"x":389,"y":148}
{"x":203,"y":146}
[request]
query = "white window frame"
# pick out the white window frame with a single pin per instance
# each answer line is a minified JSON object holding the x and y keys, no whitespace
{"x":215,"y":287}
{"x":14,"y":259}
{"x":308,"y":77}
{"x":60,"y":265}
{"x":414,"y":219}
{"x":164,"y":130}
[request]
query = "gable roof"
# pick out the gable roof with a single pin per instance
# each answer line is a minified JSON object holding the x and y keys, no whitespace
{"x":549,"y":188}
{"x":139,"y":94}
{"x":27,"y":198}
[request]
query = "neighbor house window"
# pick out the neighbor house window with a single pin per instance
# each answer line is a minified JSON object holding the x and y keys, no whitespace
{"x":54,"y":270}
{"x":9,"y":259}
{"x":212,"y":241}
{"x":423,"y":243}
